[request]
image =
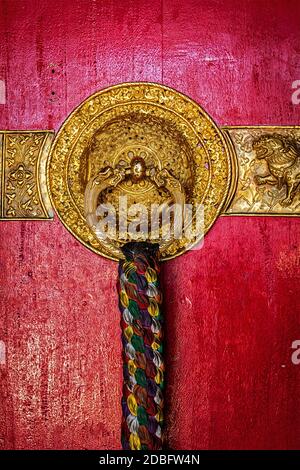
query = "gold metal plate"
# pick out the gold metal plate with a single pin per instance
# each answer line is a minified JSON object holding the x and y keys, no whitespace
{"x":238,"y":170}
{"x":138,"y":120}
{"x":23,"y":175}
{"x":267,"y":178}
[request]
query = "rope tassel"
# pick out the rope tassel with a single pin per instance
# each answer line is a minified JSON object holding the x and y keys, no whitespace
{"x":140,"y":301}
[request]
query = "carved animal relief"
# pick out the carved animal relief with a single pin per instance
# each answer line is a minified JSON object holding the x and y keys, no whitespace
{"x":268,"y":170}
{"x":282,"y":157}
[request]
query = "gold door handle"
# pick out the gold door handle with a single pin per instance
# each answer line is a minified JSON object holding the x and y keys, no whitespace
{"x":111,"y":177}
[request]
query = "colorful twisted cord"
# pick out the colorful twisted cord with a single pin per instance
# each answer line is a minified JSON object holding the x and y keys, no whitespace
{"x":140,"y":301}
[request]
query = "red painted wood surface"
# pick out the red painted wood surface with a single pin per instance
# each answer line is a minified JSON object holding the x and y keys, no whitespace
{"x":232,"y":308}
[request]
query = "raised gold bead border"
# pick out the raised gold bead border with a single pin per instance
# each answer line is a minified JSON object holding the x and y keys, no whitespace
{"x":130,"y":94}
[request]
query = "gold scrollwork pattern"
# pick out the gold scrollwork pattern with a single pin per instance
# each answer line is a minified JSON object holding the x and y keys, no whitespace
{"x":23,"y":175}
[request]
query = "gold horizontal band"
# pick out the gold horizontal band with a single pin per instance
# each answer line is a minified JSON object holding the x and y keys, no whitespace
{"x":232,"y":171}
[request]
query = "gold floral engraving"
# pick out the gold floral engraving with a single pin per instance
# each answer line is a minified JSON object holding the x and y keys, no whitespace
{"x":166,"y":130}
{"x":23,"y":170}
{"x":268,"y":161}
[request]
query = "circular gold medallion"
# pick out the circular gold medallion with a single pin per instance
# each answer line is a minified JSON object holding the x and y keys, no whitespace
{"x":148,"y":141}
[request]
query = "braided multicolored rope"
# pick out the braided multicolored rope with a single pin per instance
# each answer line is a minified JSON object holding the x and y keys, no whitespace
{"x":140,"y":301}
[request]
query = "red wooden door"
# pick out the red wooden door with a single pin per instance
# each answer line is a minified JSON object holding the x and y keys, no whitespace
{"x":232,"y":308}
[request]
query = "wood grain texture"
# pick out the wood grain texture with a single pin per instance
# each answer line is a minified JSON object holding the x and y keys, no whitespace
{"x":232,"y":308}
